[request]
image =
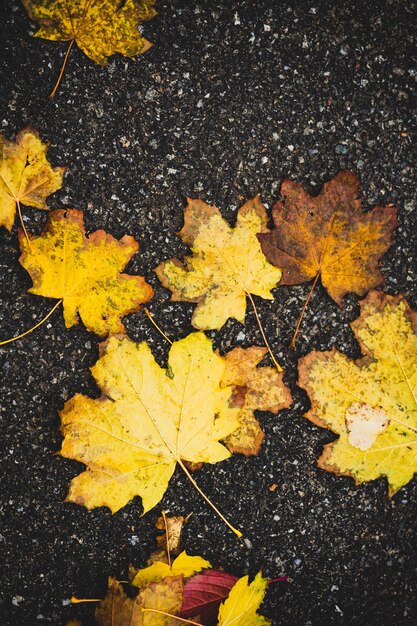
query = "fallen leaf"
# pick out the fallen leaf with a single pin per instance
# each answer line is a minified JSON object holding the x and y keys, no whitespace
{"x":149,"y":420}
{"x":240,"y":608}
{"x":172,"y":530}
{"x":100,"y":28}
{"x":84,"y":272}
{"x":26,"y":176}
{"x":226,"y":264}
{"x":118,"y":609}
{"x":370,"y":403}
{"x":203,"y":595}
{"x":329,"y":237}
{"x":254,"y":387}
{"x":184,"y":565}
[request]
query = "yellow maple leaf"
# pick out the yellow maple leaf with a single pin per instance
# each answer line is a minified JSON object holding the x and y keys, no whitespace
{"x":254,"y":387}
{"x":118,"y":609}
{"x":100,"y":28}
{"x":226,"y":264}
{"x":243,"y":601}
{"x":84,"y":272}
{"x":149,"y":420}
{"x":26,"y":176}
{"x":370,"y":403}
{"x":184,"y":565}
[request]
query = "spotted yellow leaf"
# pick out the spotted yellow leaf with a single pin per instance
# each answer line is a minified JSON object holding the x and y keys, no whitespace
{"x":148,"y":420}
{"x":243,"y":602}
{"x":26,"y":176}
{"x":100,"y":28}
{"x":371,"y":403}
{"x":226,"y":264}
{"x":84,"y":272}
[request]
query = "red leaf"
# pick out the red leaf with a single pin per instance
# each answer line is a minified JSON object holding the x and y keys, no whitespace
{"x":204,"y":593}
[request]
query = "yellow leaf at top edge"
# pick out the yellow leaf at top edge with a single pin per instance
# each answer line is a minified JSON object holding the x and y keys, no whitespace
{"x":184,"y":565}
{"x":242,"y":603}
{"x":225,"y":265}
{"x":25,"y":175}
{"x":370,"y":403}
{"x":99,"y":27}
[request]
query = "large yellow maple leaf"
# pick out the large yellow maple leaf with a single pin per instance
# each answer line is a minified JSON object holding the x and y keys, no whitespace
{"x":84,"y":272}
{"x":240,"y":608}
{"x":99,"y":27}
{"x":370,"y":403}
{"x":148,"y":420}
{"x":26,"y":176}
{"x":226,"y":264}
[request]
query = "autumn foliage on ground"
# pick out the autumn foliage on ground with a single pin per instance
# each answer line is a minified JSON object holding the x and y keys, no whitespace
{"x":186,"y":587}
{"x":202,"y":407}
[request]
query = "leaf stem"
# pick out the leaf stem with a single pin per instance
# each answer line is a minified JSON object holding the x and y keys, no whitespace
{"x":164,"y":517}
{"x":23,"y":225}
{"x":56,"y":305}
{"x":55,"y":89}
{"x":261,"y":328}
{"x":180,"y":619}
{"x":213,"y":506}
{"x":75,"y":600}
{"x":158,"y":328}
{"x":300,"y":319}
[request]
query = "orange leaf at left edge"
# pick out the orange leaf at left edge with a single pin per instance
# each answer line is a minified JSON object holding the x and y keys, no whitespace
{"x":84,"y":272}
{"x":329,"y":236}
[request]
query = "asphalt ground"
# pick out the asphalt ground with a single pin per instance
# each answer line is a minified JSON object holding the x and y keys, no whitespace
{"x":233,"y":97}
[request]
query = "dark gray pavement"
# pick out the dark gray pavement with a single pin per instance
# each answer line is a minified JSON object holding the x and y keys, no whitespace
{"x":234,"y":97}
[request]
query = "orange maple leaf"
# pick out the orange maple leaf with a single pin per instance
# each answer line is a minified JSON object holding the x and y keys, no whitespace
{"x":329,"y":237}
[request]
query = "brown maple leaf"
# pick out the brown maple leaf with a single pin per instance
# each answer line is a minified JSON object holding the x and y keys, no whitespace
{"x":329,"y":237}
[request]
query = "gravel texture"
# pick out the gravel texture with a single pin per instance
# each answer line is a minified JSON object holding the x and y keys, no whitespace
{"x":235,"y":96}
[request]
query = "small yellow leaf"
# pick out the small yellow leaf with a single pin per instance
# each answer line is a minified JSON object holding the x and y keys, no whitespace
{"x":25,"y":175}
{"x":85,"y":272}
{"x":240,"y":608}
{"x":99,"y":27}
{"x":226,"y":263}
{"x":148,"y":420}
{"x":184,"y":565}
{"x":370,"y":403}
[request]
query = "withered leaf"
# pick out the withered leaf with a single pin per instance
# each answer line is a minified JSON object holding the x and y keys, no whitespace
{"x":329,"y":236}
